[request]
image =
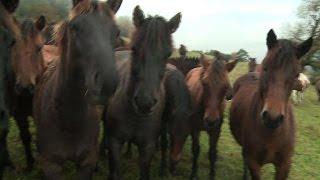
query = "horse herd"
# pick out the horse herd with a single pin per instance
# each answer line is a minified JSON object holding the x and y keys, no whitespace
{"x":141,"y":98}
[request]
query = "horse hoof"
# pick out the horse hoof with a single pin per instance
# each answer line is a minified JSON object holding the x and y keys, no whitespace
{"x":128,"y":155}
{"x":163,"y":173}
{"x":194,"y":177}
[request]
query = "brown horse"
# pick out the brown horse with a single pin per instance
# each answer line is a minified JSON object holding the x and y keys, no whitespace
{"x":28,"y":66}
{"x":208,"y":86}
{"x":25,"y":66}
{"x":261,"y":114}
{"x":134,"y":113}
{"x":66,"y":99}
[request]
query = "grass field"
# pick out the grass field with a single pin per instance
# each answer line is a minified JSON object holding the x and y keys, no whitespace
{"x":306,"y":160}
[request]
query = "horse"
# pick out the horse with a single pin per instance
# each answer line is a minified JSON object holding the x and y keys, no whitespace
{"x":252,"y":64}
{"x":27,"y":65}
{"x":68,"y":96}
{"x":7,"y":41}
{"x":297,"y":96}
{"x":134,"y":112}
{"x":261,"y":115}
{"x":208,"y":86}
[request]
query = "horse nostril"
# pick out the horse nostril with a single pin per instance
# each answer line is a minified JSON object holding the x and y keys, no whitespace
{"x":154,"y":101}
{"x":31,"y":88}
{"x":280,"y":118}
{"x":265,"y":115}
{"x":96,"y":78}
{"x":18,"y":88}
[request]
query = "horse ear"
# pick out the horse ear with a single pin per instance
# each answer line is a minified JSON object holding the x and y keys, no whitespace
{"x":271,"y":39}
{"x":304,"y":47}
{"x":204,"y":61}
{"x":10,"y":5}
{"x":41,"y":23}
{"x":138,"y":16}
{"x":174,"y":22}
{"x":231,"y":65}
{"x":114,"y":5}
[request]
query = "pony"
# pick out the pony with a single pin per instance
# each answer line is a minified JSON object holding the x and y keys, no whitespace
{"x":68,"y":96}
{"x":297,"y":96}
{"x":261,"y":115}
{"x":134,"y":112}
{"x":27,"y":67}
{"x":208,"y":86}
{"x":24,"y":66}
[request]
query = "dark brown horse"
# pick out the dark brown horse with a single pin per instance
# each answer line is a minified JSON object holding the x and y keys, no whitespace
{"x":134,"y":113}
{"x":208,"y":86}
{"x":6,"y":42}
{"x":261,"y":114}
{"x":66,"y":99}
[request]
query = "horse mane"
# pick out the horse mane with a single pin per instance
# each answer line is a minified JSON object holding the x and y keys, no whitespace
{"x":151,"y":32}
{"x":185,"y":64}
{"x":9,"y":22}
{"x":283,"y":57}
{"x":27,"y":27}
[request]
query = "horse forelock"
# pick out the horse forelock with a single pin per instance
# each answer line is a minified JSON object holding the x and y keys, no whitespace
{"x":152,"y":34}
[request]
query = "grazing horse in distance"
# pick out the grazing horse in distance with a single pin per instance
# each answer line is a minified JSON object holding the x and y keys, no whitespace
{"x":304,"y":81}
{"x":135,"y":112}
{"x":252,"y":64}
{"x":208,"y":86}
{"x":66,"y":99}
{"x":261,"y":114}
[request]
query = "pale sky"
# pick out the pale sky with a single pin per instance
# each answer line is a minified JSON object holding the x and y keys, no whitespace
{"x":225,"y":25}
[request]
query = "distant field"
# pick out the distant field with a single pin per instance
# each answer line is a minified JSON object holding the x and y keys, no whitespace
{"x":306,"y":161}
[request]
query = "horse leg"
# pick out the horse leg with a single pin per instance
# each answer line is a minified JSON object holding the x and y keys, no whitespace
{"x":175,"y":152}
{"x":282,"y":169}
{"x":245,"y":166}
{"x":128,"y":153}
{"x":86,"y":168}
{"x":255,"y":169}
{"x":25,"y":136}
{"x":214,"y":135}
{"x":146,"y":152}
{"x":195,"y":152}
{"x":164,"y":147}
{"x":4,"y":155}
{"x":114,"y":149}
{"x":103,"y":141}
{"x":51,"y":170}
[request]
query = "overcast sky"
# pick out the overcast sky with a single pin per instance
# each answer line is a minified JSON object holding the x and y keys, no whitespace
{"x":225,"y":25}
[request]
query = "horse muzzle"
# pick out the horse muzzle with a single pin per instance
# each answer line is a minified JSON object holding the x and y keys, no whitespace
{"x":272,"y":122}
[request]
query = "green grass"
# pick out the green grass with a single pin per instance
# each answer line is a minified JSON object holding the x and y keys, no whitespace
{"x":306,"y":160}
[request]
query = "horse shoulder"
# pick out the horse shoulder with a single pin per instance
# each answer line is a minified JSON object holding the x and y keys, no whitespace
{"x":193,"y":81}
